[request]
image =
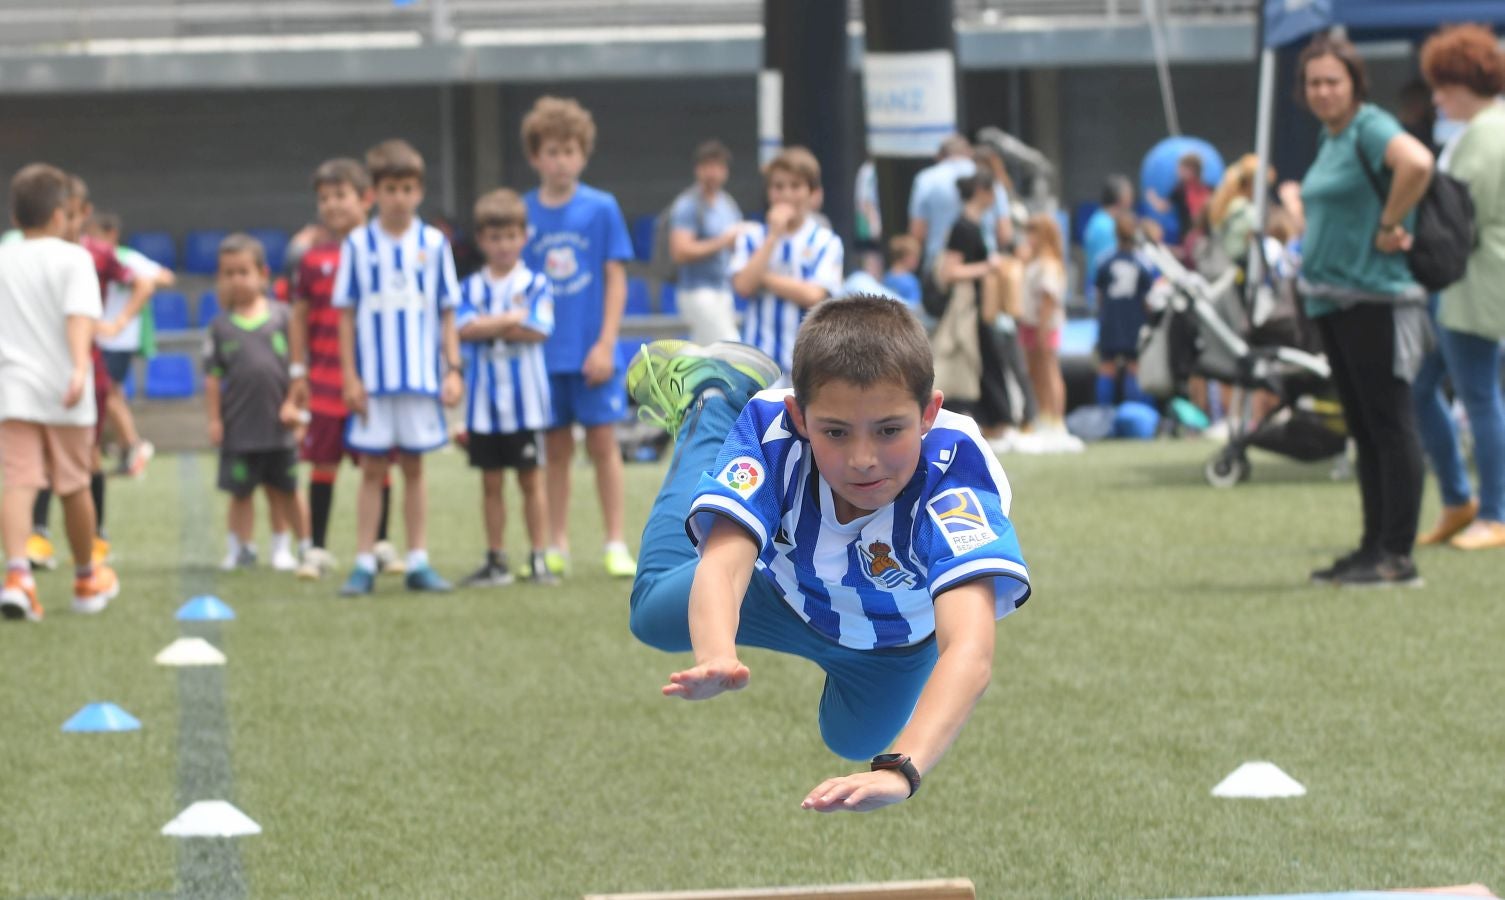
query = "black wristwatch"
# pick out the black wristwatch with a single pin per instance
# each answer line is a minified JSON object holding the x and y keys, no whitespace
{"x":900,"y":763}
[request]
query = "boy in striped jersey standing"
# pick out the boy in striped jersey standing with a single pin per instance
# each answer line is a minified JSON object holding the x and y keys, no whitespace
{"x":788,"y":265}
{"x":506,"y":311}
{"x":850,"y":521}
{"x":397,"y":293}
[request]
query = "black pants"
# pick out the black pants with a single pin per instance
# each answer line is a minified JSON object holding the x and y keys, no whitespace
{"x":1360,"y":345}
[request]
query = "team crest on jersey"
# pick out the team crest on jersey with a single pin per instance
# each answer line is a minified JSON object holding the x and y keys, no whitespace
{"x":960,"y":517}
{"x":560,"y":263}
{"x":743,"y":475}
{"x":882,"y":569}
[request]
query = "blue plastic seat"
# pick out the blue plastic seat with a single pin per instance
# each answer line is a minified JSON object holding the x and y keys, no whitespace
{"x":158,"y":246}
{"x":170,"y":311}
{"x":274,"y":241}
{"x":668,"y":300}
{"x":170,"y":377}
{"x":642,"y":237}
{"x":639,"y":302}
{"x":201,"y":251}
{"x":208,"y":308}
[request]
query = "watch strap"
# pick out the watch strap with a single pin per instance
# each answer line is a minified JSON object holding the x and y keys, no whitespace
{"x":900,"y":763}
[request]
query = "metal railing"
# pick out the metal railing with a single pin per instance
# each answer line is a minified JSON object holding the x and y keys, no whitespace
{"x":58,"y":25}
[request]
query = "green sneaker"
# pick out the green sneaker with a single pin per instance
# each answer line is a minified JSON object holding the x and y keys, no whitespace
{"x":667,"y":376}
{"x":620,"y":564}
{"x":556,"y":563}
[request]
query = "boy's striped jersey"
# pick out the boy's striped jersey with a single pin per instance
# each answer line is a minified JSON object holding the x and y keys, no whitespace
{"x":398,"y":288}
{"x":868,"y":583}
{"x":812,"y":254}
{"x":506,"y":382}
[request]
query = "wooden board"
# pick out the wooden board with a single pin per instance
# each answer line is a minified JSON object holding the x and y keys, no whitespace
{"x":940,"y":889}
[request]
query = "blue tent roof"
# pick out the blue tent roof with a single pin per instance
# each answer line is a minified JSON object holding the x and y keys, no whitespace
{"x":1287,"y":21}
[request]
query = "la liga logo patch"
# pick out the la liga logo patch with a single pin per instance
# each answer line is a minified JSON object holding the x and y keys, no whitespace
{"x":743,"y":475}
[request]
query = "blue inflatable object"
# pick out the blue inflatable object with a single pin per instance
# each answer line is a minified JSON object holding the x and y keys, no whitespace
{"x":1158,"y":173}
{"x":1136,"y":421}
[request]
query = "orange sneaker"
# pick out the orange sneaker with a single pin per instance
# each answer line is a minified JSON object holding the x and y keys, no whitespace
{"x":1453,"y":520}
{"x":1482,"y":535}
{"x":93,"y":594}
{"x":19,"y":599}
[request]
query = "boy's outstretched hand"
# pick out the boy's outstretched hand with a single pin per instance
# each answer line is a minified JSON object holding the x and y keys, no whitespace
{"x":706,"y":680}
{"x":861,"y":792}
{"x":355,"y":396}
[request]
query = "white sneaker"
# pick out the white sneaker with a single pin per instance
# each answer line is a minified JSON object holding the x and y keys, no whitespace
{"x":388,"y":560}
{"x":320,"y":558}
{"x":283,"y":560}
{"x":308,"y":570}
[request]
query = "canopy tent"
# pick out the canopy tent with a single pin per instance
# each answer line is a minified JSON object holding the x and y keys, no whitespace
{"x":1285,"y":22}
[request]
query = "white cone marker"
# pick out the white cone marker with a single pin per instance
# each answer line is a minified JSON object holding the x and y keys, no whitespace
{"x":211,"y":818}
{"x":1259,"y":780}
{"x":190,"y":651}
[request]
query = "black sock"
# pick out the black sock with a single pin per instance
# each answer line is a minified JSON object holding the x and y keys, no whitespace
{"x":320,"y":499}
{"x":97,"y":488}
{"x":386,"y":505}
{"x":39,"y":511}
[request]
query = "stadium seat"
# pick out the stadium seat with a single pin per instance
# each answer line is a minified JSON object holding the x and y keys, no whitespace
{"x":201,"y":252}
{"x":639,"y":302}
{"x":642,"y":237}
{"x":274,"y":241}
{"x":668,"y":300}
{"x":169,"y":377}
{"x":158,"y":246}
{"x":170,"y":311}
{"x":208,"y":308}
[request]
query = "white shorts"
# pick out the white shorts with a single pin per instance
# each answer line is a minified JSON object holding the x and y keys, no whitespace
{"x":410,"y":423}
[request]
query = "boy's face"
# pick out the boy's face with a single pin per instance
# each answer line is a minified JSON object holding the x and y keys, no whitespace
{"x":240,"y":279}
{"x":788,"y":188}
{"x":712,"y":174}
{"x":342,"y":208}
{"x":502,"y":246}
{"x":78,"y":211}
{"x":558,"y":162}
{"x":398,"y":199}
{"x":866,"y":440}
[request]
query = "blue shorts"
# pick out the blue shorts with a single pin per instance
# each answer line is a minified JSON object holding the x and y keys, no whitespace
{"x":604,"y":404}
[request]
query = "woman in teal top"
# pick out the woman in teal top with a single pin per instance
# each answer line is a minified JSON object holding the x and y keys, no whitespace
{"x":1466,"y":70}
{"x":1357,"y":288}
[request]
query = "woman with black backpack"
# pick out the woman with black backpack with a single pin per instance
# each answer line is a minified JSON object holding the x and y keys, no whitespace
{"x":1466,"y":70}
{"x":1358,"y":289}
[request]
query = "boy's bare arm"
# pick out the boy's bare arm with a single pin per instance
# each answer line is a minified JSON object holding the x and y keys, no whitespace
{"x":601,"y":361}
{"x":964,"y":632}
{"x":803,"y":293}
{"x":297,"y":352}
{"x":489,"y":328}
{"x":721,"y":579}
{"x":685,"y":248}
{"x":749,"y":279}
{"x":212,"y":408}
{"x":453,"y":386}
{"x":354,"y":391}
{"x":79,"y":331}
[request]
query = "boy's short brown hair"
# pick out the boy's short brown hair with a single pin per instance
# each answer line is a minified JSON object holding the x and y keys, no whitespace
{"x":864,"y":340}
{"x":240,"y":242}
{"x":796,"y":161}
{"x":344,"y":170}
{"x":501,"y":208}
{"x":36,"y":192}
{"x":560,"y":119}
{"x":106,"y":221}
{"x":1126,"y":229}
{"x":713,"y":151}
{"x":902,"y":246}
{"x":395,"y":158}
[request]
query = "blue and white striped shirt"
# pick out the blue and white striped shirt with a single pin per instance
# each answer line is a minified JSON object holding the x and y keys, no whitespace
{"x":868,"y":583}
{"x":398,"y":288}
{"x":813,"y":254}
{"x":506,"y":382}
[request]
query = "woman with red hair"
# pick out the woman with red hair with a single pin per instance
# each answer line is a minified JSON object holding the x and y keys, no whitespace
{"x":1466,"y":71}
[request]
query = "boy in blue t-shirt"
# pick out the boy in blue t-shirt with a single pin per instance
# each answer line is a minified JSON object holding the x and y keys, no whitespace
{"x":578,"y":239}
{"x":850,"y":520}
{"x":1123,"y":285}
{"x":903,"y":263}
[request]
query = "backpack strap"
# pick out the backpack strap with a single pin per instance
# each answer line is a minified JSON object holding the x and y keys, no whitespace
{"x":1374,"y":180}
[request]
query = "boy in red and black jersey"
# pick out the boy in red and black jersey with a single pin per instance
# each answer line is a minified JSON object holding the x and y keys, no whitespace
{"x":343,"y":192}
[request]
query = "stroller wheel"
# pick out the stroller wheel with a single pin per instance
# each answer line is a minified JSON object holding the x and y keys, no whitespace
{"x":1226,"y":470}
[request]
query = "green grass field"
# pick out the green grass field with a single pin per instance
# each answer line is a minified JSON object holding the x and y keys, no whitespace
{"x":512,"y":742}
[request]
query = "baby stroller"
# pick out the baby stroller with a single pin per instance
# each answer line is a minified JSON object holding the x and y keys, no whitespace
{"x":1255,"y":340}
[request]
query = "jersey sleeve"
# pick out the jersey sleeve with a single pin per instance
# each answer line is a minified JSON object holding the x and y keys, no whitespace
{"x":1373,"y":138}
{"x":80,"y":286}
{"x":827,"y":271}
{"x":618,"y":241}
{"x":449,"y":285}
{"x":965,"y":532}
{"x":347,"y":286}
{"x":214,"y":361}
{"x":540,"y":300}
{"x":744,"y":249}
{"x":682,"y":215}
{"x":744,"y":486}
{"x":467,"y":311}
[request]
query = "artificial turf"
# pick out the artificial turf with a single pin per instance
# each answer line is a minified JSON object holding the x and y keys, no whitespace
{"x":512,"y":742}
